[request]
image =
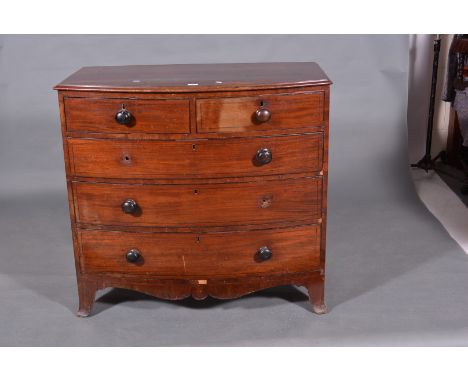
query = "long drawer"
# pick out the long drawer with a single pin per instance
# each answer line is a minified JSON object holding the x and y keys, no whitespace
{"x":271,"y":201}
{"x":213,"y":158}
{"x":208,"y":255}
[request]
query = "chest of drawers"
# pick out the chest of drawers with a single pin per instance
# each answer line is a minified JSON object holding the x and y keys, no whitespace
{"x":197,"y":180}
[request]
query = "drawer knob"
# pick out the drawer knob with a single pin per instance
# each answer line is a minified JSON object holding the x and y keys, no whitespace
{"x":123,"y":116}
{"x":263,"y":156}
{"x":264,"y":253}
{"x":263,"y":114}
{"x":129,"y":206}
{"x":133,"y":255}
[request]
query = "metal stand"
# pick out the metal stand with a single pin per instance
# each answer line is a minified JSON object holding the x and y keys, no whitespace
{"x":427,"y":163}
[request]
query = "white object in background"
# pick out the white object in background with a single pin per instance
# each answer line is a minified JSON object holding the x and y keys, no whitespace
{"x":444,"y":204}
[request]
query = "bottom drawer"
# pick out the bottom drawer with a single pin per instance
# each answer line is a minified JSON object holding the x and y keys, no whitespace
{"x":202,"y":255}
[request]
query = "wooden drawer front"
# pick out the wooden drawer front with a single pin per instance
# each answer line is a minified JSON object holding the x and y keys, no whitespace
{"x":206,"y":255}
{"x":148,"y":116}
{"x":228,"y":115}
{"x":200,"y":205}
{"x":185,"y":159}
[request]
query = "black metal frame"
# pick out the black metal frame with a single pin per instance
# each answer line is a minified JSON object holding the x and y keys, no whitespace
{"x":427,"y":162}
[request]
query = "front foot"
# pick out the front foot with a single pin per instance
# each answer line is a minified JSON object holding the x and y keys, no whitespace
{"x":315,"y":288}
{"x":83,"y":312}
{"x":320,"y":309}
{"x":87,"y":294}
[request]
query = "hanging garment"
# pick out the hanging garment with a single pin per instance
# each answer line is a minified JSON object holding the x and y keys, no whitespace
{"x":460,"y":104}
{"x":456,"y":94}
{"x":448,"y":93}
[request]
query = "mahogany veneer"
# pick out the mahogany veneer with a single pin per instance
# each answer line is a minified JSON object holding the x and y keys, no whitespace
{"x":214,"y":158}
{"x":212,"y":255}
{"x":154,"y":116}
{"x":272,"y":201}
{"x":201,"y":180}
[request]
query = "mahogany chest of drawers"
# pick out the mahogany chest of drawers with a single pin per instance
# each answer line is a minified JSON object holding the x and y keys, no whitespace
{"x":197,"y":180}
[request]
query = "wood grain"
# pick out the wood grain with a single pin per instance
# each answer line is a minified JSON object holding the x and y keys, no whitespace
{"x":195,"y":77}
{"x":203,"y":255}
{"x":149,"y":116}
{"x":237,"y":114}
{"x":200,"y":204}
{"x":194,"y":158}
{"x":176,"y":289}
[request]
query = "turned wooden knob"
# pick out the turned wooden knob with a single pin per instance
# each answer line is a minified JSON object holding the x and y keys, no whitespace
{"x":123,"y":116}
{"x":133,"y":255}
{"x":264,"y":253}
{"x":263,"y":114}
{"x":263,"y":156}
{"x":129,"y":206}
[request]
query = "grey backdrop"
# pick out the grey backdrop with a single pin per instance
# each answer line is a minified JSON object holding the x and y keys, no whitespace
{"x":394,"y":274}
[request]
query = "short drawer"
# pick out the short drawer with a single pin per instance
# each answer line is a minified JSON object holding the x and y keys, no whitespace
{"x":263,"y":112}
{"x":274,"y":201}
{"x":127,"y":115}
{"x":204,"y":255}
{"x":217,"y":158}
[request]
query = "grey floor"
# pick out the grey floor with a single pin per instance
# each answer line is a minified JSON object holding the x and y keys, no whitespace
{"x":395,"y":277}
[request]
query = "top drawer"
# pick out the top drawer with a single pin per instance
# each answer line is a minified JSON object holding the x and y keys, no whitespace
{"x":127,"y":115}
{"x":262,"y":112}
